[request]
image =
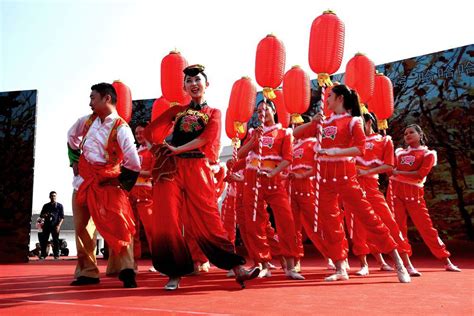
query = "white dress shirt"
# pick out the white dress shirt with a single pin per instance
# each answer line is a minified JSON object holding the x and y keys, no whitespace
{"x":95,"y":142}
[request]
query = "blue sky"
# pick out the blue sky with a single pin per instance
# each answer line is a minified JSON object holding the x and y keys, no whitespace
{"x":61,"y":48}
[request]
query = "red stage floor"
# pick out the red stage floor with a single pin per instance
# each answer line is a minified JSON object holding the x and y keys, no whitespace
{"x":42,"y":287}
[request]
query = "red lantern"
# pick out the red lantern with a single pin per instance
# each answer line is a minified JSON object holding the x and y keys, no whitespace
{"x":360,"y":76}
{"x":283,"y":115}
{"x":230,"y":128}
{"x":124,"y":100}
{"x":242,"y":101}
{"x":326,"y":46}
{"x":297,"y":93}
{"x":382,"y":103}
{"x":172,"y":78}
{"x":270,"y":64}
{"x":160,"y":105}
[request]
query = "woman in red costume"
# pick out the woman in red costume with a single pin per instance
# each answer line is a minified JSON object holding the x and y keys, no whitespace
{"x":378,"y":159}
{"x":343,"y":139}
{"x":276,"y":155}
{"x":141,"y":194}
{"x":412,"y":165}
{"x":184,"y":188}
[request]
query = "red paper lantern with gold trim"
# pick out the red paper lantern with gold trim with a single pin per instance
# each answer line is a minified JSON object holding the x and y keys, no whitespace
{"x":270,"y":64}
{"x":172,"y":78}
{"x":360,"y":76}
{"x":159,"y":106}
{"x":124,"y":100}
{"x":283,"y":115}
{"x":297,"y":93}
{"x":242,"y":101}
{"x":382,"y":103}
{"x":326,"y":46}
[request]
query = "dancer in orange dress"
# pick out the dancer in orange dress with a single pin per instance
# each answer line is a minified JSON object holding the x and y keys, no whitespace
{"x":378,"y":159}
{"x":276,"y":155}
{"x":184,"y":188}
{"x":412,"y":165}
{"x":343,"y":139}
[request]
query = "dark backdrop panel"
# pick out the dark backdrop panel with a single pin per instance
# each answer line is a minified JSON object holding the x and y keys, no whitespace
{"x":17,"y":142}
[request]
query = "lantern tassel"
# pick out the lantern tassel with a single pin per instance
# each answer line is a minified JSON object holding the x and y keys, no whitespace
{"x":296,"y":118}
{"x":324,"y":80}
{"x":269,"y":93}
{"x":239,"y":127}
{"x":363,"y":109}
{"x":382,"y":124}
{"x":174,"y":104}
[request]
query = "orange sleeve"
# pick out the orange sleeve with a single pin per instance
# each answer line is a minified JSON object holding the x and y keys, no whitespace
{"x":212,"y":134}
{"x":161,"y":127}
{"x":388,"y":153}
{"x":425,"y":168}
{"x":287,"y":146}
{"x":358,"y":136}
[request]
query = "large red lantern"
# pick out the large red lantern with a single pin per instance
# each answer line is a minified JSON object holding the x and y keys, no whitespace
{"x":360,"y":76}
{"x":382,"y":103}
{"x":242,"y":102}
{"x":297,"y":93}
{"x":283,"y":114}
{"x":159,"y":106}
{"x":124,"y":100}
{"x":326,"y":46}
{"x":172,"y":78}
{"x":270,"y":64}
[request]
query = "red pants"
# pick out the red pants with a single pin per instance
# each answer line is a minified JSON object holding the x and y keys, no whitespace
{"x":302,"y":204}
{"x":274,"y":193}
{"x":408,"y":199}
{"x":190,"y":198}
{"x":360,"y":244}
{"x":332,"y":222}
{"x":142,"y":205}
{"x":108,"y":205}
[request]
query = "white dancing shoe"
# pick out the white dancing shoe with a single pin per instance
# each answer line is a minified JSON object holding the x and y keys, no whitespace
{"x":173,"y":284}
{"x":386,"y":267}
{"x":264,"y":273}
{"x":298,"y":266}
{"x":412,"y":271}
{"x":292,"y":274}
{"x":403,"y":275}
{"x":339,"y":276}
{"x":230,"y":274}
{"x":348,"y":267}
{"x":331,"y":265}
{"x":271,"y":266}
{"x":205,"y":267}
{"x":152,"y":269}
{"x":364,"y":271}
{"x":451,"y":267}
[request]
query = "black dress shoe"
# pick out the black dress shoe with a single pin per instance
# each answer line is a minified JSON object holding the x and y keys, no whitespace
{"x":245,"y":275}
{"x":127,"y":276}
{"x":83,"y":280}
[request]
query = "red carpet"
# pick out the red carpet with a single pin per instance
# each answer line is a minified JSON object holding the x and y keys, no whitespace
{"x":42,"y":287}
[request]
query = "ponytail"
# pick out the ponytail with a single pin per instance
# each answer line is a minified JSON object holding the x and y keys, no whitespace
{"x":351,"y":99}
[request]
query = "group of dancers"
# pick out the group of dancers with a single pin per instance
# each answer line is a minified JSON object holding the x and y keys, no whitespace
{"x":175,"y":182}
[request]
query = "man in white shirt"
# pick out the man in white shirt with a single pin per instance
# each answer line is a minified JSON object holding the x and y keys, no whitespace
{"x":106,"y":165}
